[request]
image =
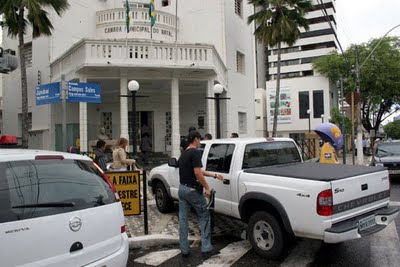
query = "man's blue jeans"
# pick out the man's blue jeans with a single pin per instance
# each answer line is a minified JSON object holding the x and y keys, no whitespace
{"x":189,"y":197}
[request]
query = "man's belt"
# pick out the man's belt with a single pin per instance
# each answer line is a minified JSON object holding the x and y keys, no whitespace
{"x":194,"y":186}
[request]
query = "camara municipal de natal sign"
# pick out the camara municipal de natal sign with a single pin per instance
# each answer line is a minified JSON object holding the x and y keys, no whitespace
{"x":127,"y":184}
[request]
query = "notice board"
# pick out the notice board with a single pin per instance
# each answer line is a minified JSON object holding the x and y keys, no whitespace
{"x":127,"y":184}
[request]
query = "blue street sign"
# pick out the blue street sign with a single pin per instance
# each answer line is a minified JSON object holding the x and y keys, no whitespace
{"x":48,"y":93}
{"x":83,"y":92}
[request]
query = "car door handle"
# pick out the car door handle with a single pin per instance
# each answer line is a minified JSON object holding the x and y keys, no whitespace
{"x":226,"y":181}
{"x":76,"y":246}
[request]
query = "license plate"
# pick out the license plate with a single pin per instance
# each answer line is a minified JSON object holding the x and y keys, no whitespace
{"x":394,"y":171}
{"x":366,"y":222}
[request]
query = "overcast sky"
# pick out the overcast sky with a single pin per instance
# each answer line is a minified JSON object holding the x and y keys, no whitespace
{"x":360,"y":20}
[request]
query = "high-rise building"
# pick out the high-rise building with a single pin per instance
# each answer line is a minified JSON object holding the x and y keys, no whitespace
{"x":302,"y":89}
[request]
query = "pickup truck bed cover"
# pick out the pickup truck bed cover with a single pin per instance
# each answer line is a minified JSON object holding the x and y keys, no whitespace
{"x":316,"y":171}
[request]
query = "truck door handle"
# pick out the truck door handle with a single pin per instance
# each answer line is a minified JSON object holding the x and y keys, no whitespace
{"x":226,"y":181}
{"x":364,"y":187}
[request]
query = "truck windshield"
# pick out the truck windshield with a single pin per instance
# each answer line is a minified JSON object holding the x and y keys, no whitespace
{"x":270,"y":153}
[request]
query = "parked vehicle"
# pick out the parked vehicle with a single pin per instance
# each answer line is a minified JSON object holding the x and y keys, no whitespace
{"x":58,"y":209}
{"x":269,"y":187}
{"x":388,"y":155}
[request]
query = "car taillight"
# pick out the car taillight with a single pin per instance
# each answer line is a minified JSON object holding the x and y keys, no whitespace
{"x":108,"y":182}
{"x":123,"y":229}
{"x":324,"y":203}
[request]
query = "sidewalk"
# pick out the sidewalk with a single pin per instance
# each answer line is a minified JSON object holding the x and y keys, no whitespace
{"x":349,"y":159}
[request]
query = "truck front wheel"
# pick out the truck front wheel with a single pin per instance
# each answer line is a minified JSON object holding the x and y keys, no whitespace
{"x":266,"y":235}
{"x":163,"y":201}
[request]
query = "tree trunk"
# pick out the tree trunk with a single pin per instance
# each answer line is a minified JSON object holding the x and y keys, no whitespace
{"x":277,"y":92}
{"x":24,"y":86}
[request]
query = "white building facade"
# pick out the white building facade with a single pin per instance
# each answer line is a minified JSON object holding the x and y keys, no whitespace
{"x":191,"y":48}
{"x":301,"y":87}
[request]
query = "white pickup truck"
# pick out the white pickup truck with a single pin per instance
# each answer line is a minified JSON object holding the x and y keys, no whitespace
{"x":268,"y":186}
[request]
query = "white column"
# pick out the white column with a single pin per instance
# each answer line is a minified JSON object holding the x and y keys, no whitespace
{"x":175,"y":121}
{"x":83,"y":122}
{"x":211,"y":119}
{"x":124,"y":107}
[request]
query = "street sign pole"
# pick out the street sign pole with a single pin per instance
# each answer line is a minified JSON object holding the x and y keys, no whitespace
{"x":63,"y":93}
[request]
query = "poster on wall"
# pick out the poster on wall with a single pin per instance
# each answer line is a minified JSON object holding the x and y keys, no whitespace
{"x":284,"y":108}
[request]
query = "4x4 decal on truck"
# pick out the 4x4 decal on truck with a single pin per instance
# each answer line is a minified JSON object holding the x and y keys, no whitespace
{"x":302,"y":195}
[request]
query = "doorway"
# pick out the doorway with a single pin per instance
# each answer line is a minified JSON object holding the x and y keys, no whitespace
{"x":144,"y":124}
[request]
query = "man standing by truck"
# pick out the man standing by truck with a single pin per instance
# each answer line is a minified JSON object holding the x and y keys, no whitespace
{"x":190,"y":193}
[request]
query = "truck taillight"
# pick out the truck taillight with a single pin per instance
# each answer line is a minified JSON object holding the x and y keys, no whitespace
{"x":108,"y":182}
{"x":324,"y":203}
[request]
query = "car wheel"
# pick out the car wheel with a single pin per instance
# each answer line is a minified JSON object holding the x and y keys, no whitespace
{"x":163,"y":201}
{"x":266,"y":235}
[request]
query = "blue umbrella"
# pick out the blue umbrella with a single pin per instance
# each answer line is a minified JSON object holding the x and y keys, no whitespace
{"x":329,"y":132}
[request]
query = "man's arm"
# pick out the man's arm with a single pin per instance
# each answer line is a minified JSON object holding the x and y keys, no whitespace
{"x":200,"y":177}
{"x":213,"y":175}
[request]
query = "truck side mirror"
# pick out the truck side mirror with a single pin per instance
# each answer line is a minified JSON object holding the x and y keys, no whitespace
{"x":172,"y":162}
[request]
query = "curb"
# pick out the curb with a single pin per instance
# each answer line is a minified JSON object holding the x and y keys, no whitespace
{"x":155,"y":240}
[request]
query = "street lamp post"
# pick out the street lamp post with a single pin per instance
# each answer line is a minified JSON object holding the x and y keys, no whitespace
{"x":309,"y":120}
{"x":218,"y":90}
{"x":133,"y":87}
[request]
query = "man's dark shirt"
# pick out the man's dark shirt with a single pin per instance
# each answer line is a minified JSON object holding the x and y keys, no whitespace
{"x":190,"y":159}
{"x":100,"y":158}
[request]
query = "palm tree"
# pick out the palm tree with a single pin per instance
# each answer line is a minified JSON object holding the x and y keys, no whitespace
{"x":277,"y":22}
{"x":17,"y":15}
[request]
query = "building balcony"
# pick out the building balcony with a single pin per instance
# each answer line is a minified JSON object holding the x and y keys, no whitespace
{"x":110,"y":55}
{"x":111,"y":23}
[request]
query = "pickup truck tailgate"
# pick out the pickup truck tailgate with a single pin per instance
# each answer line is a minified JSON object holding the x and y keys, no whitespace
{"x":359,"y":194}
{"x":356,"y":189}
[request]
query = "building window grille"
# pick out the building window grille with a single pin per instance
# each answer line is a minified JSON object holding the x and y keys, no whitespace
{"x":242,"y":122}
{"x":240,"y":62}
{"x":28,"y":55}
{"x":107,"y":123}
{"x":238,"y":7}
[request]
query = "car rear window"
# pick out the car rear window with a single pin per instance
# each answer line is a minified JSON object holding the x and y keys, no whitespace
{"x":270,"y":153}
{"x":35,"y":188}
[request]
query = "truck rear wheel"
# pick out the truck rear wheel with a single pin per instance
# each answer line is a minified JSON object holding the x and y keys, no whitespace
{"x":266,"y":235}
{"x":163,"y":201}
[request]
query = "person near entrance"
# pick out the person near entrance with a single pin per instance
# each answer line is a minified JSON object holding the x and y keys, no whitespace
{"x":145,"y":147}
{"x":100,"y":158}
{"x":120,"y":160}
{"x":192,"y":184}
{"x":102,"y":134}
{"x":184,"y":141}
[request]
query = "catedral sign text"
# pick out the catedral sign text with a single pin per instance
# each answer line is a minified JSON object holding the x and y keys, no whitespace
{"x":156,"y":30}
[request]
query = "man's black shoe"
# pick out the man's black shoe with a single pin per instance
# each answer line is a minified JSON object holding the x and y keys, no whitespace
{"x":185,"y":255}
